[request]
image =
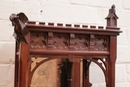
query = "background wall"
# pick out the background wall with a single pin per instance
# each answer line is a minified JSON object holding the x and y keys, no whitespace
{"x":66,"y":11}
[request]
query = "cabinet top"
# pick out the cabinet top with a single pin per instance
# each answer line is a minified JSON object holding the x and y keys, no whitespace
{"x":22,"y":26}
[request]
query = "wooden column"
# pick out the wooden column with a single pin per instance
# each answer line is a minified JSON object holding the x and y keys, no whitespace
{"x":85,"y":72}
{"x":76,"y":73}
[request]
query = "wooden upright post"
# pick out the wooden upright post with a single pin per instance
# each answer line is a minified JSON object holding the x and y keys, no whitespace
{"x":24,"y":66}
{"x":112,"y":61}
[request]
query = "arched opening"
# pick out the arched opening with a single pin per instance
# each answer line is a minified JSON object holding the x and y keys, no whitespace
{"x":57,"y":72}
{"x":96,"y":76}
{"x":46,"y":74}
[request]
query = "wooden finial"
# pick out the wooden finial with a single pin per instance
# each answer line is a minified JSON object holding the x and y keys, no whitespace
{"x":112,"y":17}
{"x":19,"y":23}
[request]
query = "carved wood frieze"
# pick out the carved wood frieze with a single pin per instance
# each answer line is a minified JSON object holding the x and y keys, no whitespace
{"x":58,"y":41}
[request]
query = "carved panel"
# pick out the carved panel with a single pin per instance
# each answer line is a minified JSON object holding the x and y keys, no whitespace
{"x":81,"y":42}
{"x":101,"y":43}
{"x":38,"y":40}
{"x":60,"y":41}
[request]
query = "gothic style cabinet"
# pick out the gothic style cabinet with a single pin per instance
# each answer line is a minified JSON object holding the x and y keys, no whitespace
{"x":57,"y":55}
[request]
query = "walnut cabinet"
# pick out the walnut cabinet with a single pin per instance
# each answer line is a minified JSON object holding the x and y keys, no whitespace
{"x":58,"y":55}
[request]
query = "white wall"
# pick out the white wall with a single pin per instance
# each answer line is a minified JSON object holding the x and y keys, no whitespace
{"x":65,"y":11}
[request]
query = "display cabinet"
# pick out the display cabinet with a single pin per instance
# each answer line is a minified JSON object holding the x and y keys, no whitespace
{"x":59,"y":55}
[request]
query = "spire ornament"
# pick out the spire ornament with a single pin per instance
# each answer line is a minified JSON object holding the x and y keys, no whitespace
{"x":112,"y":18}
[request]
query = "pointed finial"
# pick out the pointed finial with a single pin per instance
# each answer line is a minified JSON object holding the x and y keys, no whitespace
{"x":112,"y":12}
{"x":113,"y":9}
{"x":112,"y":17}
{"x":113,"y":6}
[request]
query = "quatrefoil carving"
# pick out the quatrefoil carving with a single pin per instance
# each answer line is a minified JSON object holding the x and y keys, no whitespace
{"x":81,"y":42}
{"x":60,"y":41}
{"x":101,"y":43}
{"x":38,"y":40}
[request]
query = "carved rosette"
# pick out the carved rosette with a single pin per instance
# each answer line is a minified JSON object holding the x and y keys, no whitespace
{"x":60,"y":41}
{"x":81,"y":42}
{"x":38,"y":40}
{"x":101,"y":43}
